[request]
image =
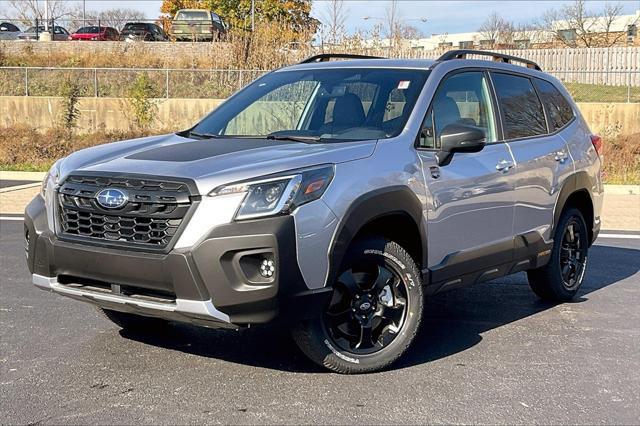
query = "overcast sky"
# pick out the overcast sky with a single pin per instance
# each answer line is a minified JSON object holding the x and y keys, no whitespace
{"x":442,"y":16}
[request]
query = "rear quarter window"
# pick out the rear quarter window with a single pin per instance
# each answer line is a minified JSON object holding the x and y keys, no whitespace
{"x":520,"y":107}
{"x":558,"y":108}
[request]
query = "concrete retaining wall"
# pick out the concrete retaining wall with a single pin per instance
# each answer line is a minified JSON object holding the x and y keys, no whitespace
{"x":608,"y":119}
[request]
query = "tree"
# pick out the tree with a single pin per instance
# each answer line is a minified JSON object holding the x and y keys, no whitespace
{"x":393,"y":23}
{"x":293,"y":13}
{"x":496,"y":30}
{"x":574,"y":25}
{"x":334,"y":17}
{"x":116,"y":18}
{"x":29,"y":10}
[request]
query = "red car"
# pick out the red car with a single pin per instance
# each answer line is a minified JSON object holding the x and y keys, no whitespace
{"x":95,"y":33}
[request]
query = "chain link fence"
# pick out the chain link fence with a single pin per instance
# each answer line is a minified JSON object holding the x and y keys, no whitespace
{"x":117,"y":82}
{"x":584,"y":86}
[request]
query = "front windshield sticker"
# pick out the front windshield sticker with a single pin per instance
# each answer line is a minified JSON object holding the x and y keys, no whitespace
{"x":404,"y":84}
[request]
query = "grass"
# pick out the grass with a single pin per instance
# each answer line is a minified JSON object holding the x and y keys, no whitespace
{"x":601,"y":93}
{"x":26,"y":149}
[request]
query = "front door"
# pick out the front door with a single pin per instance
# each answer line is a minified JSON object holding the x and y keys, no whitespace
{"x":470,"y":201}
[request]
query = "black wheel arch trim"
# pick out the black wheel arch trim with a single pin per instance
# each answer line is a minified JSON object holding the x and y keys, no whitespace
{"x":376,"y":204}
{"x":577,"y":182}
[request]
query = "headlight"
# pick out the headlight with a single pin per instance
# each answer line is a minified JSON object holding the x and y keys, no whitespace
{"x":52,"y":176}
{"x":280,"y":194}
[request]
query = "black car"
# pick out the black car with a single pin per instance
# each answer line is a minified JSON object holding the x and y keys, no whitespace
{"x":134,"y":31}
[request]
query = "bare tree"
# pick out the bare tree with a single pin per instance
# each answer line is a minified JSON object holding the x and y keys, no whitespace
{"x":334,"y":16}
{"x":29,"y":10}
{"x":393,"y":22}
{"x":574,"y":25}
{"x":116,"y":18}
{"x":409,"y":32}
{"x":497,"y":30}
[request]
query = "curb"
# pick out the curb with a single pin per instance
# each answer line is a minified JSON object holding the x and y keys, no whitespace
{"x":11,"y":175}
{"x":622,"y":189}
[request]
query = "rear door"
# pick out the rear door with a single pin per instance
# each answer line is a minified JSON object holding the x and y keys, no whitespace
{"x":470,"y":205}
{"x":541,"y":154}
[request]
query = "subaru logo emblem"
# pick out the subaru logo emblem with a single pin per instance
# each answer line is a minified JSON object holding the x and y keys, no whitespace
{"x":111,"y":198}
{"x":365,"y":306}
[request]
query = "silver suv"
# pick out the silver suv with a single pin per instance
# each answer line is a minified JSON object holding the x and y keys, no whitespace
{"x":333,"y":196}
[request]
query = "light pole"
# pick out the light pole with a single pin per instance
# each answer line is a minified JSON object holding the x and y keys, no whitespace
{"x":253,"y":15}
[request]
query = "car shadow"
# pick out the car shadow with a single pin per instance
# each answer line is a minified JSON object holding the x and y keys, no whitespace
{"x":454,"y":321}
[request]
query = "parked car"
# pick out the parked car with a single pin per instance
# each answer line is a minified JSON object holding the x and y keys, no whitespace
{"x":8,"y":31}
{"x":197,"y":25}
{"x":369,"y":185}
{"x":143,"y":31}
{"x":96,"y":33}
{"x":31,"y":33}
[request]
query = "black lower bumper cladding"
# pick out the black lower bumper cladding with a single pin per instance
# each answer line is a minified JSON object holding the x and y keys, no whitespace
{"x":222,"y":268}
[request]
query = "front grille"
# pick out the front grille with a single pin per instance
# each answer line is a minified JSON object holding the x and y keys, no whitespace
{"x":149,"y":220}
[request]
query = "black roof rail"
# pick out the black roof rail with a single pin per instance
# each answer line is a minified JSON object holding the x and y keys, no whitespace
{"x":325,"y":57}
{"x":499,"y":57}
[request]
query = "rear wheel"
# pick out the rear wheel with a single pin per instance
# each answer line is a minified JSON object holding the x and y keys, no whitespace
{"x":132,"y":322}
{"x":374,"y":312}
{"x":560,"y":279}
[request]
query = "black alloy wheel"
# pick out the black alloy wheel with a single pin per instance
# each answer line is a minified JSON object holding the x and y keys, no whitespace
{"x":367,"y":310}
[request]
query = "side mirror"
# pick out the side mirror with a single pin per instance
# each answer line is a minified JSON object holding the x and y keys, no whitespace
{"x":460,"y":138}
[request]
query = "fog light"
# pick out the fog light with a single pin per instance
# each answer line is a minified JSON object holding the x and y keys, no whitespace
{"x":267,"y":268}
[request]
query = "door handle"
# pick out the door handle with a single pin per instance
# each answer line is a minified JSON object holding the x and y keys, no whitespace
{"x":504,"y":165}
{"x":561,"y":156}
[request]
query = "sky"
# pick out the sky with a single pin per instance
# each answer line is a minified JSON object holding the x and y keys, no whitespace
{"x":442,"y":16}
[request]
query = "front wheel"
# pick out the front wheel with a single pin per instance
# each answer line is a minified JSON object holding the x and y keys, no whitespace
{"x":374,"y":312}
{"x":560,"y":279}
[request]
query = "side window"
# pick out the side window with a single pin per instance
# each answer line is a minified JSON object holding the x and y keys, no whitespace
{"x":557,"y":106}
{"x":522,"y":113}
{"x":461,"y":99}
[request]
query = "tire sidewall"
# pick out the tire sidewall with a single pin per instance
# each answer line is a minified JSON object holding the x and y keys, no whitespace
{"x":381,"y":252}
{"x":558,"y":238}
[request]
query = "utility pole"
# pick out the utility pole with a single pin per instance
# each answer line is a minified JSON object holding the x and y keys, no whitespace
{"x":253,"y":15}
{"x":46,"y":16}
{"x":84,"y":12}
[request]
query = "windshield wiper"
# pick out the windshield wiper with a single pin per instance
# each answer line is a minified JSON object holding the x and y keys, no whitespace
{"x":294,"y":138}
{"x":204,"y":135}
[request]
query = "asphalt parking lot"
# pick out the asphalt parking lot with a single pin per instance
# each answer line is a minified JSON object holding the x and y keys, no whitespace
{"x":488,"y":354}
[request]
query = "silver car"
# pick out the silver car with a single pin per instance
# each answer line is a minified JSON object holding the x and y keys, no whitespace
{"x":8,"y":31}
{"x":33,"y":33}
{"x":333,"y":197}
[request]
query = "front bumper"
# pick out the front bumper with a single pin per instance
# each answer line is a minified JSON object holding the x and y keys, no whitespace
{"x":212,"y":283}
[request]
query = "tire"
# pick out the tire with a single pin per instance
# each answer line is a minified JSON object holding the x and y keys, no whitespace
{"x":550,"y":282}
{"x":132,"y":322}
{"x":346,"y":338}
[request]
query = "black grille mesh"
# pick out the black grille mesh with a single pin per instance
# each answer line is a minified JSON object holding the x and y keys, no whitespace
{"x":150,"y":219}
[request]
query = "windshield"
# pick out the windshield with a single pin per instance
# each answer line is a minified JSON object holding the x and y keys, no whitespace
{"x":326,"y":104}
{"x":90,"y":30}
{"x":193,"y":15}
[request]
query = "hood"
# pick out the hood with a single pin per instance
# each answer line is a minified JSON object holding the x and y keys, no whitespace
{"x":210,"y":162}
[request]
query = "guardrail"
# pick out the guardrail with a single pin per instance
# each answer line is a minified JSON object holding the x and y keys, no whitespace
{"x":594,"y":86}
